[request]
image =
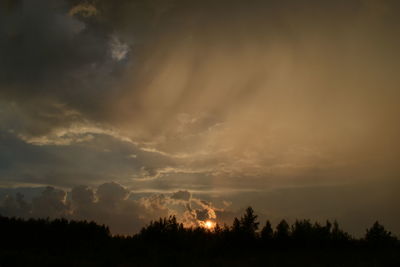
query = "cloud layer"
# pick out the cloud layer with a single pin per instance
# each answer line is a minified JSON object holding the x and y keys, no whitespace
{"x":217,"y":97}
{"x":124,"y":211}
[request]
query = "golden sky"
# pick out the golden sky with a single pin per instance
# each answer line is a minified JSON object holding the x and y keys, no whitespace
{"x":288,"y":106}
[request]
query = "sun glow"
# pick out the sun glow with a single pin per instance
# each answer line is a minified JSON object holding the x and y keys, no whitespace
{"x":209,"y":225}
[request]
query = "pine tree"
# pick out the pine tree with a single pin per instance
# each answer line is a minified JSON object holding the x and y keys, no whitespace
{"x":248,"y":222}
{"x":267,"y":232}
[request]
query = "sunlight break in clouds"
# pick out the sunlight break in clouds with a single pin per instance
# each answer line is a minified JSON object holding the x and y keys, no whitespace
{"x":111,"y":204}
{"x":119,"y":50}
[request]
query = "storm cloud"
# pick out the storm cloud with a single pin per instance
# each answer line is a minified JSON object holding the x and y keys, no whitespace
{"x":112,"y":204}
{"x":186,"y":98}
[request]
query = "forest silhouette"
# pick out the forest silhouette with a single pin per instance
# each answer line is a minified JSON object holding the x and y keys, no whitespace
{"x":166,"y":242}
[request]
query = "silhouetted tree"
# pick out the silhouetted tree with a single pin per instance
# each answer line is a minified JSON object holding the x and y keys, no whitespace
{"x":327,"y":229}
{"x":338,"y":236}
{"x":244,"y":229}
{"x":378,"y":236}
{"x":249,"y":222}
{"x":282,"y":232}
{"x":164,"y":227}
{"x":302,"y":232}
{"x":236,"y":227}
{"x":267,"y":232}
{"x":61,"y":242}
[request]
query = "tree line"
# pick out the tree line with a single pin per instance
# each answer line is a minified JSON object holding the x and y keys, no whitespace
{"x":246,"y":230}
{"x":167,"y":242}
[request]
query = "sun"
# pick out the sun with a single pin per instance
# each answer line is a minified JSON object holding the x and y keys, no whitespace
{"x":209,"y":225}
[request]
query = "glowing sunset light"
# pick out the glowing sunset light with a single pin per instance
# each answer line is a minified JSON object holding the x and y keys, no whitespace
{"x":209,"y":225}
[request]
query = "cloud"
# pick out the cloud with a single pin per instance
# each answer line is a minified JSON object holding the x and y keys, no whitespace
{"x":82,"y":195}
{"x":181,"y":195}
{"x":75,"y":133}
{"x":163,"y":97}
{"x":14,"y":206}
{"x":109,"y":203}
{"x":42,"y":45}
{"x":83,"y":9}
{"x":216,"y":97}
{"x":111,"y":193}
{"x":119,"y":50}
{"x":51,"y":203}
{"x":126,"y":215}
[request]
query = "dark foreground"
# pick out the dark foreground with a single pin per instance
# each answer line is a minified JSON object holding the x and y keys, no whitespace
{"x":168,"y":243}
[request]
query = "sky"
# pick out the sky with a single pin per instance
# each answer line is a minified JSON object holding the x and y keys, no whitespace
{"x":124,"y":111}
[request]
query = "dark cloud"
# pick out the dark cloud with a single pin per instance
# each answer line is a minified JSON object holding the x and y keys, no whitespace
{"x":109,"y":203}
{"x":218,"y":97}
{"x":202,"y":215}
{"x":111,"y":193}
{"x":15,"y":206}
{"x":56,"y":69}
{"x":44,"y":47}
{"x":355,"y":206}
{"x":82,"y":196}
{"x":51,"y":203}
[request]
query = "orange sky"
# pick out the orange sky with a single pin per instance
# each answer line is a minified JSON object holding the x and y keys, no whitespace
{"x":263,"y":103}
